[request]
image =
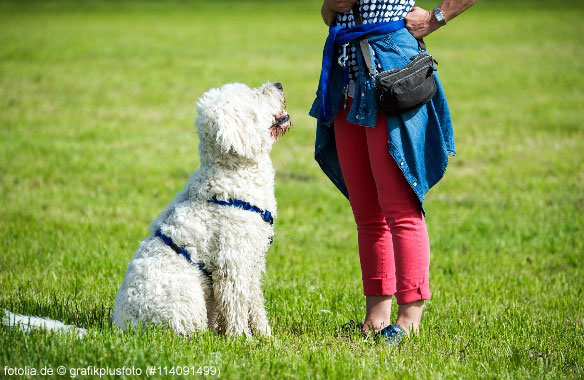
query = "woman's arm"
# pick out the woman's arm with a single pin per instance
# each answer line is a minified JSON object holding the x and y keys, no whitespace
{"x":421,"y":22}
{"x":331,"y":7}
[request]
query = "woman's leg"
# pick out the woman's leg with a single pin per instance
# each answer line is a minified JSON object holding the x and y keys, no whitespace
{"x":375,"y":244}
{"x":403,"y":213}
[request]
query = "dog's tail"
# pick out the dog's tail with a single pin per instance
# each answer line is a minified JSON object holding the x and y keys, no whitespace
{"x":27,"y":323}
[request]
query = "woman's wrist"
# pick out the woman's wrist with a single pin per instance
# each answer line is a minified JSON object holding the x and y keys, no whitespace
{"x":328,"y":14}
{"x":433,"y":23}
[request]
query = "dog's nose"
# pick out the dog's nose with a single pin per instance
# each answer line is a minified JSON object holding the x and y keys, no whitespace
{"x":278,"y":86}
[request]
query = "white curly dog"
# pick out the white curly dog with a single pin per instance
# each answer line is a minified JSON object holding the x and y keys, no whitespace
{"x":202,"y":266}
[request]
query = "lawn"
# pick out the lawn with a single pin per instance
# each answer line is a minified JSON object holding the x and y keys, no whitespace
{"x":97,"y":108}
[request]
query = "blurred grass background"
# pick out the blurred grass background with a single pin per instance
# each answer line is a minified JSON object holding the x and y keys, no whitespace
{"x":97,"y":107}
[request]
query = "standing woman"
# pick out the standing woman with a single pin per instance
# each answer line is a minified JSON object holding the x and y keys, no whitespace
{"x":384,"y":164}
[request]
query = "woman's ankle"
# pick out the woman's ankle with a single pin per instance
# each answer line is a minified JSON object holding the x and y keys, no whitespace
{"x":378,"y":313}
{"x":409,"y":316}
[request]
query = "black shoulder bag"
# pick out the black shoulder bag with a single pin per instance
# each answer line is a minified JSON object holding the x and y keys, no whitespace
{"x":405,"y":89}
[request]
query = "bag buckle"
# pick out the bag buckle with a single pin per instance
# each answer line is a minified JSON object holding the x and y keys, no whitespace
{"x":343,"y":58}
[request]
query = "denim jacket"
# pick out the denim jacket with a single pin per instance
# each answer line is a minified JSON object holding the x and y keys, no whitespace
{"x":419,"y":140}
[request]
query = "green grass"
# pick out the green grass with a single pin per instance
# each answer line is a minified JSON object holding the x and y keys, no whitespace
{"x":97,"y":105}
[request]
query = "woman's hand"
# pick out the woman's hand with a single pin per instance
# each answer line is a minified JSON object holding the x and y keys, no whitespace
{"x":331,"y":7}
{"x":420,"y":22}
{"x":340,"y":6}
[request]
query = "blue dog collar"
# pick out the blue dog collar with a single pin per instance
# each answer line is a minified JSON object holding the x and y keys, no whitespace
{"x":266,"y":215}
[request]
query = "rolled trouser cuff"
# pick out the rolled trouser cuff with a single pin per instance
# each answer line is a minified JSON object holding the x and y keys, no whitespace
{"x":379,"y":286}
{"x":419,"y":293}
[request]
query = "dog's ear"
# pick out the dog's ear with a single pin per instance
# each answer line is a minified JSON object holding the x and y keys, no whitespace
{"x":236,"y":132}
{"x":207,"y":109}
{"x":229,"y":115}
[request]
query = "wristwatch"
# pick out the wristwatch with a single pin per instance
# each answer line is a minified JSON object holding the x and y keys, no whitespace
{"x":439,"y":16}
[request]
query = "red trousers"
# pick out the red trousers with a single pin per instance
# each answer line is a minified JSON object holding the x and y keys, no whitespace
{"x":394,"y":249}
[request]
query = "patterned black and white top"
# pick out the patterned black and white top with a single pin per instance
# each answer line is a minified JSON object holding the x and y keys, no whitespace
{"x":372,"y":11}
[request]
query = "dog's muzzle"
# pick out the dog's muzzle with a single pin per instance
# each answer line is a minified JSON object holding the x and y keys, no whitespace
{"x":282,"y":120}
{"x":281,"y":125}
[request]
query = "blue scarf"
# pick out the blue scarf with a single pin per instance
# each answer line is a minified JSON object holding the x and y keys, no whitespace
{"x":343,"y":35}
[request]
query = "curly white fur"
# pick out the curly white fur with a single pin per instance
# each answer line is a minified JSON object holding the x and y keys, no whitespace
{"x":161,"y":286}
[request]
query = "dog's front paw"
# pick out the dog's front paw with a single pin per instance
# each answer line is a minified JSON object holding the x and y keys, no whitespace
{"x":267,"y":331}
{"x":262,"y":329}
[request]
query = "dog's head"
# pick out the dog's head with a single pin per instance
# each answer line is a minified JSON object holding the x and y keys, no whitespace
{"x":242,"y":121}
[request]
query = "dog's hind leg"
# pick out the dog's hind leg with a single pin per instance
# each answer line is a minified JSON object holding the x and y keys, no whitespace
{"x":180,"y":307}
{"x":185,"y":310}
{"x":161,"y":287}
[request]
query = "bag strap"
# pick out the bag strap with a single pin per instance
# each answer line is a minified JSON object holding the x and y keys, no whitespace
{"x":364,"y":43}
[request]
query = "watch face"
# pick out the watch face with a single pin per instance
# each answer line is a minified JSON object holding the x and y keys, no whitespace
{"x":439,"y":16}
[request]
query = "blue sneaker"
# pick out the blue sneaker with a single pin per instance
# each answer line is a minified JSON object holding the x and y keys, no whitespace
{"x":393,"y":333}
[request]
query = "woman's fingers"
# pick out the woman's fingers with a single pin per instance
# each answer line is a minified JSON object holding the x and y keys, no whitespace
{"x":341,"y":5}
{"x":346,"y":4}
{"x":419,"y":22}
{"x":417,"y":17}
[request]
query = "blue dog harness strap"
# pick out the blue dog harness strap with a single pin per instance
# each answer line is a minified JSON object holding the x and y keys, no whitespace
{"x":342,"y":35}
{"x":266,"y":215}
{"x":183,"y":252}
